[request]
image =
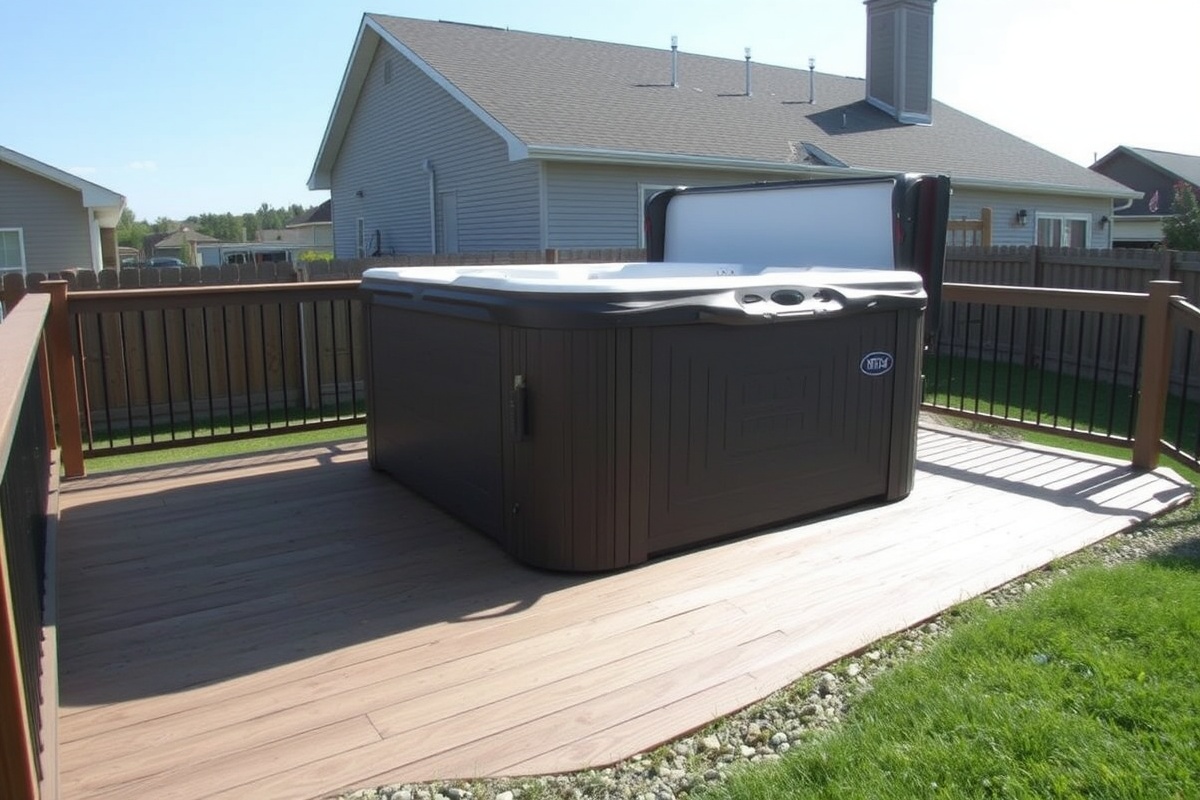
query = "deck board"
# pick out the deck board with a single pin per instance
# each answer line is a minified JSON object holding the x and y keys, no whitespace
{"x":292,"y":624}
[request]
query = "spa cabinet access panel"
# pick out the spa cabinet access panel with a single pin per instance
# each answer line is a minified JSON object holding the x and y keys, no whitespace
{"x":589,"y":416}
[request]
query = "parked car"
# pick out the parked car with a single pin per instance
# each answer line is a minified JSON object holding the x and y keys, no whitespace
{"x":165,"y":261}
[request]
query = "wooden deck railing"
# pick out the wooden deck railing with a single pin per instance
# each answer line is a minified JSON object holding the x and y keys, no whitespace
{"x":155,"y":368}
{"x":1106,"y":366}
{"x":28,"y":515}
{"x":158,"y":368}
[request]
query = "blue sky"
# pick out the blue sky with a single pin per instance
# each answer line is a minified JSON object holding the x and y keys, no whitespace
{"x":220,"y":106}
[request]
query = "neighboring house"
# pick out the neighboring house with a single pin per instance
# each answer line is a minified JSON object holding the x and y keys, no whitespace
{"x":314,"y":227}
{"x":174,"y":244}
{"x":52,"y":220}
{"x":1154,"y":174}
{"x":215,"y":253}
{"x":447,"y":137}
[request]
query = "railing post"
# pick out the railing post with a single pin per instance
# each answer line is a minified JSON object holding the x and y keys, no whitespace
{"x":62,"y":375}
{"x":1156,"y":373}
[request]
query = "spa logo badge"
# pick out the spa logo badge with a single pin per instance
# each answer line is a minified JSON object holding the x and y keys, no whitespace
{"x":877,"y":363}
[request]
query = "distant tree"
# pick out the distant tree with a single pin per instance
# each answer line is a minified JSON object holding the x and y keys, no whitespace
{"x":225,"y":227}
{"x":250,"y":226}
{"x":164,"y":225}
{"x":131,"y":231}
{"x":187,"y":252}
{"x":1181,"y":230}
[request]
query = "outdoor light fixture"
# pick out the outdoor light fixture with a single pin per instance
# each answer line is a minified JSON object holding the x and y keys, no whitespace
{"x":1022,"y":217}
{"x":1104,"y":222}
{"x":359,"y":193}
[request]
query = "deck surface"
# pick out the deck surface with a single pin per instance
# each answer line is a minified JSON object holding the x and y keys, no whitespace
{"x":293,"y":624}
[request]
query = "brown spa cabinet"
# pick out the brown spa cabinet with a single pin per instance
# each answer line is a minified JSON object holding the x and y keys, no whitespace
{"x":590,"y":416}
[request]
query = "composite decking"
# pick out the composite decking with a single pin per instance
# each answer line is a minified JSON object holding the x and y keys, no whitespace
{"x":292,"y":624}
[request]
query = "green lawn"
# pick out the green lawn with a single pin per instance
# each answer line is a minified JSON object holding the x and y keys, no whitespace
{"x":1090,"y":688}
{"x":197,"y":452}
{"x":1081,"y":403}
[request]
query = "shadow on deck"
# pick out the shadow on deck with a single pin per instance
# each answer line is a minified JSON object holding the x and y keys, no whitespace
{"x":290,"y":624}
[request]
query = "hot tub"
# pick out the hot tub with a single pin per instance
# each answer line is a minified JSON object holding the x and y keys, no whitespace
{"x":587,"y":417}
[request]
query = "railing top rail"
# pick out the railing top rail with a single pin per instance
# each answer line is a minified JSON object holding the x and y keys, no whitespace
{"x":20,"y":340}
{"x":1185,"y":314}
{"x":193,"y":296}
{"x":1037,"y":297}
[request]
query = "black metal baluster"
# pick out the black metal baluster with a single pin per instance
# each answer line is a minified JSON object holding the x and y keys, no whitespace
{"x":125,"y":374}
{"x":1060,"y":370}
{"x":108,"y":423}
{"x":1096,"y":374}
{"x":351,"y":349}
{"x":337,"y":386}
{"x":262,"y":330}
{"x":978,"y":352}
{"x":1078,"y":369}
{"x":1137,"y":378}
{"x":170,"y":385}
{"x":316,"y":329}
{"x":1008,"y":375}
{"x":246,"y":367}
{"x":146,"y":366}
{"x":287,"y":414}
{"x":1041,"y":365}
{"x":208,"y":373}
{"x":1116,"y":376}
{"x":187,"y":364}
{"x":81,"y":380}
{"x":1183,"y":395}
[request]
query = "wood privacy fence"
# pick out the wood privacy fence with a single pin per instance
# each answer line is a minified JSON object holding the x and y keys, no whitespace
{"x":167,"y":356}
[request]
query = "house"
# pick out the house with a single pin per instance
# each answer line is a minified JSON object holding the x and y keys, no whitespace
{"x":1154,"y":173}
{"x":314,"y":227}
{"x":447,"y":137}
{"x":51,"y":219}
{"x":180,"y":244}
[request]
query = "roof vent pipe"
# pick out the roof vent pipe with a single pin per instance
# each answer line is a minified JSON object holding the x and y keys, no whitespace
{"x":812,"y":64}
{"x":675,"y":62}
{"x":748,"y":93}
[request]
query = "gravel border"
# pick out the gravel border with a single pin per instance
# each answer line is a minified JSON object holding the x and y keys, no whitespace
{"x":802,"y":711}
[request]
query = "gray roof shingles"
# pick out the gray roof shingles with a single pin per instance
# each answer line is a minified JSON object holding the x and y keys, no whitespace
{"x":1181,"y":166}
{"x":555,"y":91}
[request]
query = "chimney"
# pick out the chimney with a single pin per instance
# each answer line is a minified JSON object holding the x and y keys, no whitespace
{"x":675,"y":62}
{"x":900,"y":58}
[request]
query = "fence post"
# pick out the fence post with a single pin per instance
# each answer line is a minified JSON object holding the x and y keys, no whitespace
{"x":985,"y":227}
{"x":62,"y":375}
{"x":1156,"y":373}
{"x":1164,"y":265}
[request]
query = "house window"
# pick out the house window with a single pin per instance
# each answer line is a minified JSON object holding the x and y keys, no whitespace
{"x":361,"y":239}
{"x":12,"y":249}
{"x":645,"y":192}
{"x":1063,"y":230}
